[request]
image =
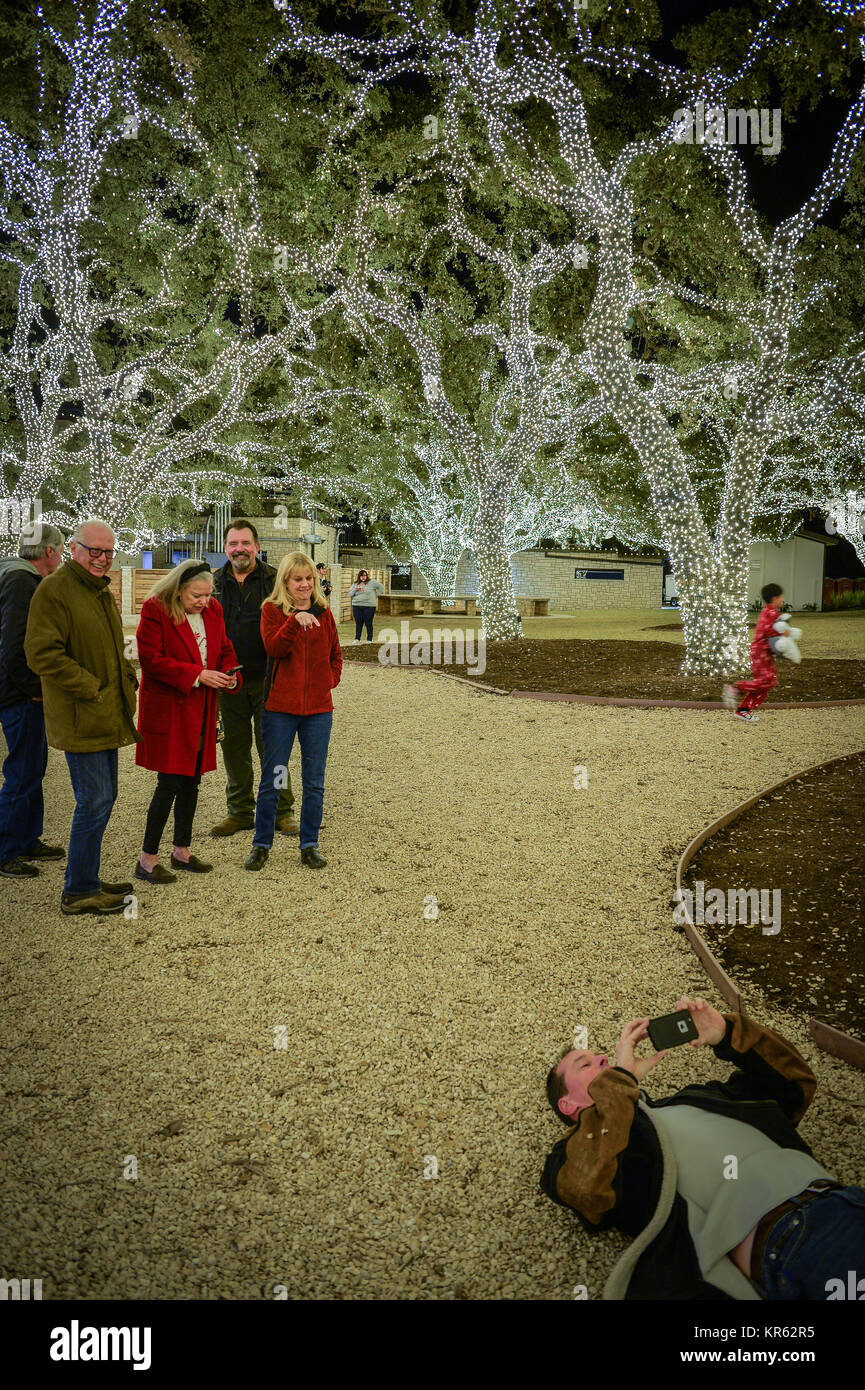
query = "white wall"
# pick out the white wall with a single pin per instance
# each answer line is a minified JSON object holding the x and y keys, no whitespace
{"x":797,"y":565}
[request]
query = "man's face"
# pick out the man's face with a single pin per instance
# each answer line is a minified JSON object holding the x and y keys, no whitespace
{"x":241,"y":549}
{"x":578,"y":1070}
{"x":96,"y":537}
{"x":53,"y":558}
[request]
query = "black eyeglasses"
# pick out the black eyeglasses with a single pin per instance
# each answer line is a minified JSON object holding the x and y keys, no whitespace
{"x":94,"y":551}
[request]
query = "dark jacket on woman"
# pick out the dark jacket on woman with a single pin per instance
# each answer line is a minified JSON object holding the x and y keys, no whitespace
{"x":173,"y":711}
{"x":615,"y":1167}
{"x":74,"y":643}
{"x":306,"y":662}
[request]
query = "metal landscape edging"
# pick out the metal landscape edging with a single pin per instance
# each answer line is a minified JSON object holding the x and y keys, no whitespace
{"x":828,"y":1038}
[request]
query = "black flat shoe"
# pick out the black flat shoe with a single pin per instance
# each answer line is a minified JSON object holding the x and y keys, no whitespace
{"x":193,"y":866}
{"x":155,"y":875}
{"x":16,"y":868}
{"x":39,"y":850}
{"x":257,"y":857}
{"x":313,"y":859}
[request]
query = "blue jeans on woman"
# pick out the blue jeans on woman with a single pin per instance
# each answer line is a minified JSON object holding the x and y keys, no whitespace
{"x":362,"y":619}
{"x":94,"y":782}
{"x":21,"y":802}
{"x":820,"y":1240}
{"x":277,"y":737}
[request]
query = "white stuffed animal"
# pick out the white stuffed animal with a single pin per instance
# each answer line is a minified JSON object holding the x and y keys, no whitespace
{"x":785,"y":643}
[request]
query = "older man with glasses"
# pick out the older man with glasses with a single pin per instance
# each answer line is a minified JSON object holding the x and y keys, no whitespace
{"x":74,"y":643}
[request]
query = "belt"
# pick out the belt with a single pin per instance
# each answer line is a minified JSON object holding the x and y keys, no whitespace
{"x":761,"y":1235}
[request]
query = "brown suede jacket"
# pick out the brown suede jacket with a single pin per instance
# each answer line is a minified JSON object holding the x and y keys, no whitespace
{"x":610,"y":1166}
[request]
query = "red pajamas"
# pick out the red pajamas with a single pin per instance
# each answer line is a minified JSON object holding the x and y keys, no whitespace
{"x":765,"y":677}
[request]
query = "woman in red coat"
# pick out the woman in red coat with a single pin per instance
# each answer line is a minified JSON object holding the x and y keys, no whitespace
{"x":304,"y":665}
{"x":185,"y":659}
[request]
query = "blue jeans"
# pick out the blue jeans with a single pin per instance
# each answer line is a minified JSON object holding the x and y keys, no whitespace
{"x":94,"y":782}
{"x":277,"y":737}
{"x":820,"y":1240}
{"x":21,"y":804}
{"x":362,"y":619}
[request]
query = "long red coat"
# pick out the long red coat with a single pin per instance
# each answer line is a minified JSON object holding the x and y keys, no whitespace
{"x":170,"y":711}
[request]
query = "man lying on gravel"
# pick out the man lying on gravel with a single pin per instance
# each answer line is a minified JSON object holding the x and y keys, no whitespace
{"x":719,"y":1192}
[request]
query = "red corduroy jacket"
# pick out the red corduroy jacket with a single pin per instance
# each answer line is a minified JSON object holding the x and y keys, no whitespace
{"x":171,"y":708}
{"x":306,"y":661}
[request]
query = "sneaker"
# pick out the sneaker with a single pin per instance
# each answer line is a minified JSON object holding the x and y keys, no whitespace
{"x":729,"y":696}
{"x":114,"y":888}
{"x":356,"y":642}
{"x":289,"y":825}
{"x":312,"y":858}
{"x":39,"y":850}
{"x":747,"y":715}
{"x":16,"y":868}
{"x":100,"y":904}
{"x":232,"y":824}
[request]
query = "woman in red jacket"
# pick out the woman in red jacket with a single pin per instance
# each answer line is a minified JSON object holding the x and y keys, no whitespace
{"x":185,"y":655}
{"x":304,"y":664}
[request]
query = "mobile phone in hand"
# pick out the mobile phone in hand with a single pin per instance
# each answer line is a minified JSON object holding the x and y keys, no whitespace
{"x":671,"y":1030}
{"x":234,"y":670}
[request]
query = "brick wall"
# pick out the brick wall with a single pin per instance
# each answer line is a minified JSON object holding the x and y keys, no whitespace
{"x":552,"y":577}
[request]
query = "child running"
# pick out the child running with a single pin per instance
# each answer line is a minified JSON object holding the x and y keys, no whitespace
{"x":754,"y":692}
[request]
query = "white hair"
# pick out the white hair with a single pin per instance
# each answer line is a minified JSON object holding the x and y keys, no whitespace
{"x":91,"y":521}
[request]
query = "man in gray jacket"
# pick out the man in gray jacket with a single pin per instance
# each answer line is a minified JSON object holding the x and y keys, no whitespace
{"x":74,"y":642}
{"x":22,"y":806}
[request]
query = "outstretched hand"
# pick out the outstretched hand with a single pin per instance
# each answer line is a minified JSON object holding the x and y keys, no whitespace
{"x":633,"y":1033}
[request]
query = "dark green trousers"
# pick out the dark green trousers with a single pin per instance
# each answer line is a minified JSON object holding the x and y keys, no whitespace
{"x":240,"y":712}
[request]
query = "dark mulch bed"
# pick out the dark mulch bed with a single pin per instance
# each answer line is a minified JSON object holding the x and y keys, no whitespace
{"x":641,"y":670}
{"x":808,"y":840}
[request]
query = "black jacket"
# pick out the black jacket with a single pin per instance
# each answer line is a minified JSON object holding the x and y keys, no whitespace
{"x":241,"y":609}
{"x":18,"y":583}
{"x":612,"y":1168}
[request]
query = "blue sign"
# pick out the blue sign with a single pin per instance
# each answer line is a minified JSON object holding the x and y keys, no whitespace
{"x":599,"y":574}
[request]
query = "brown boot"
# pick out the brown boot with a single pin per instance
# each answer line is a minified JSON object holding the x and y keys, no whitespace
{"x":232,"y":824}
{"x":288,"y":824}
{"x":100,"y":904}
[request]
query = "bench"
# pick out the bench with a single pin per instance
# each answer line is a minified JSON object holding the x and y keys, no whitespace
{"x":533,"y":607}
{"x":402,"y":604}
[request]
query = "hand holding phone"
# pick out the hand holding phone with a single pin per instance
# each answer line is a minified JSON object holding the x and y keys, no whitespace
{"x":671,"y":1030}
{"x":633,"y":1033}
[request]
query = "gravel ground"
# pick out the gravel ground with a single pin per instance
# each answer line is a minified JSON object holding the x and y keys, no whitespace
{"x":407,"y":1039}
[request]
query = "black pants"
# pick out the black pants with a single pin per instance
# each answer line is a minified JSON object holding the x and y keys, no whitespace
{"x":172,"y":789}
{"x":363,"y":619}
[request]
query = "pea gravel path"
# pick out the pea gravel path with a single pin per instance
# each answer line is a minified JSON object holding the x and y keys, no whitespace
{"x":407,"y":1039}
